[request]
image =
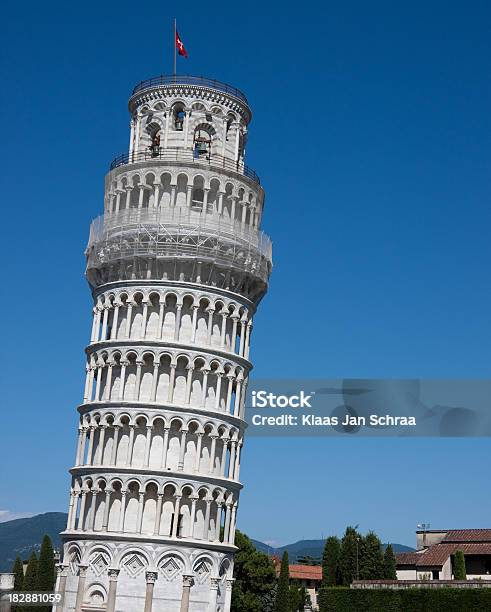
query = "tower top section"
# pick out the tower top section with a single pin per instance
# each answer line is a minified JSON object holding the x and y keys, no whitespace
{"x":189,"y":119}
{"x":188,"y":87}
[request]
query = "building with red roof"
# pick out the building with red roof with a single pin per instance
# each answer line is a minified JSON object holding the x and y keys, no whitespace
{"x":433,"y":559}
{"x":309,"y":576}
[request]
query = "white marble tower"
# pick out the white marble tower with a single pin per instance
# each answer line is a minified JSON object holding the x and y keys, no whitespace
{"x":177,"y":265}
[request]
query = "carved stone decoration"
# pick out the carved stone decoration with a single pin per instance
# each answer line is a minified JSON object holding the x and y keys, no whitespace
{"x":202,"y":570}
{"x":170,"y":567}
{"x":151,"y":577}
{"x":187,"y":580}
{"x":74,"y":561}
{"x":99,"y":562}
{"x":133,"y":564}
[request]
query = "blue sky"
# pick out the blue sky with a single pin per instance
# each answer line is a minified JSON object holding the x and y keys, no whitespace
{"x":371,"y":134}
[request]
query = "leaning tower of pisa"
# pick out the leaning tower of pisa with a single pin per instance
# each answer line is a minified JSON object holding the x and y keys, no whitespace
{"x":177,"y":265}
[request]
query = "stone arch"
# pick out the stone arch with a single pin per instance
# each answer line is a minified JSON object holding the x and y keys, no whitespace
{"x":168,"y":505}
{"x":172,"y":565}
{"x":203,"y":567}
{"x":150,"y":507}
{"x":198,"y":193}
{"x":74,"y":558}
{"x":204,"y":140}
{"x":182,"y":182}
{"x":133,"y":562}
{"x":99,"y":558}
{"x":165,"y":190}
{"x":96,"y":595}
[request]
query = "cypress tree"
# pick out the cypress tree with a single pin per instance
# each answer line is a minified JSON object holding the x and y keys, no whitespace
{"x":390,"y":564}
{"x":294,"y":597}
{"x":371,"y":560}
{"x":304,"y":599}
{"x":31,"y":576}
{"x":30,"y":581}
{"x":46,"y":566}
{"x":282,"y":601}
{"x":459,"y":571}
{"x":330,"y":561}
{"x":349,"y":556}
{"x":18,"y":571}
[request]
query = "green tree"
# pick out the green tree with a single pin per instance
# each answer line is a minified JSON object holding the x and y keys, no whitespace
{"x":459,"y":571}
{"x":18,"y":571}
{"x":46,"y":570}
{"x":294,"y":597}
{"x":31,"y":576}
{"x":349,"y":556}
{"x":303,"y":599}
{"x":299,"y":597}
{"x":30,"y":581}
{"x":390,"y":563}
{"x":371,"y":559}
{"x":330,"y":561}
{"x":282,"y":601}
{"x":268,"y":599}
{"x":46,"y":566}
{"x":254,"y":575}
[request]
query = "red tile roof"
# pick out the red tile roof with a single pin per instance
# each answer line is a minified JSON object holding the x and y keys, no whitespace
{"x":468,"y":535}
{"x":303,"y":572}
{"x":407,"y":558}
{"x":436,"y":555}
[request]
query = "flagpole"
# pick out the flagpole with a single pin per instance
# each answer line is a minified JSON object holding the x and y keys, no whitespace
{"x":174,"y":44}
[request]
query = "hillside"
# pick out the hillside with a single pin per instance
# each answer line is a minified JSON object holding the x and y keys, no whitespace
{"x":309,"y":548}
{"x":21,"y":536}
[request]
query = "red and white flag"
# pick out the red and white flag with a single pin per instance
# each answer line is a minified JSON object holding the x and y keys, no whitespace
{"x":179,"y":46}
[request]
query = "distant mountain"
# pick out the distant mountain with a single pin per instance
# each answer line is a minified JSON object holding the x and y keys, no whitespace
{"x":309,"y":548}
{"x":21,"y":536}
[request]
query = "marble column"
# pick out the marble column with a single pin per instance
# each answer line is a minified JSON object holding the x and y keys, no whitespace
{"x":122,"y":511}
{"x":113,"y":574}
{"x":62,"y":572}
{"x":166,"y":446}
{"x":107,"y":505}
{"x":214,"y":584}
{"x":82,"y":573}
{"x":187,"y":583}
{"x":150,"y":577}
{"x":228,"y":594}
{"x":158,"y":514}
{"x":175,"y":522}
{"x":80,"y":525}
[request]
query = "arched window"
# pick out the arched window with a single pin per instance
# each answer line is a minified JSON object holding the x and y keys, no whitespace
{"x":230,"y":120}
{"x":153,"y":131}
{"x":178,"y":115}
{"x":198,"y":194}
{"x":202,"y":142}
{"x":155,"y":146}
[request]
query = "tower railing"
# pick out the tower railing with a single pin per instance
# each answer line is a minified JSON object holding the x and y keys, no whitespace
{"x":230,"y":229}
{"x":188,"y":156}
{"x":183,"y":216}
{"x":181,"y":233}
{"x":167,"y":79}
